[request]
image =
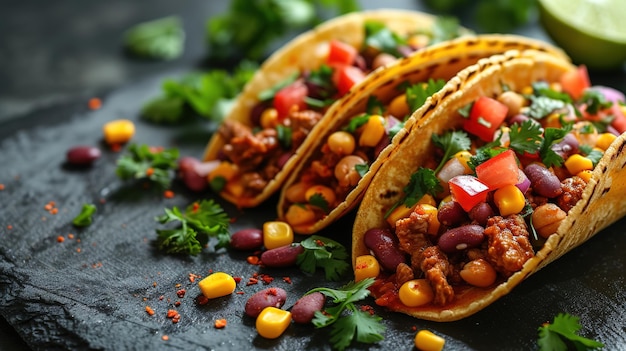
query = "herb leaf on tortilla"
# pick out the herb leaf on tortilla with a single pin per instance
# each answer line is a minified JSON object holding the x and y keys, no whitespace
{"x":563,"y":330}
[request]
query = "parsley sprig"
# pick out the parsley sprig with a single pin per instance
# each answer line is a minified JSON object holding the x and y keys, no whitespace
{"x":200,"y":221}
{"x":85,"y":217}
{"x":160,"y":39}
{"x":349,"y":322}
{"x":322,"y":252}
{"x":564,"y":329}
{"x":145,"y":162}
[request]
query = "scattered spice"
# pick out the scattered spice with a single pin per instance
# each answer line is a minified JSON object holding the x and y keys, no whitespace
{"x":252,"y":281}
{"x":202,"y":300}
{"x":177,"y":303}
{"x":78,"y":250}
{"x":94,"y":103}
{"x":149,"y":310}
{"x":220,"y":323}
{"x":181,"y":293}
{"x":60,"y":239}
{"x":165,"y":338}
{"x":9,"y":227}
{"x":192,"y":277}
{"x":287,"y":280}
{"x":168,"y":194}
{"x":154,"y":284}
{"x":70,"y":236}
{"x":173,"y":315}
{"x":254,"y":260}
{"x":1,"y":186}
{"x":237,"y":279}
{"x":240,"y":293}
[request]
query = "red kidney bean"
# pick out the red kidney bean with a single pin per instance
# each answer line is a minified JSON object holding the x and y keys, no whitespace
{"x":384,"y":246}
{"x":83,"y":155}
{"x":451,"y":214}
{"x":566,"y":147}
{"x":284,"y":256}
{"x":461,"y":238}
{"x":481,"y":213}
{"x":270,"y":297}
{"x":543,"y":182}
{"x":304,"y":309}
{"x":247,"y":239}
{"x":382,"y":144}
{"x":282,"y":160}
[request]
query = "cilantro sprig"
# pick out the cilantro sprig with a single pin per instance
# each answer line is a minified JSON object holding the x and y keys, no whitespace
{"x":84,"y":218}
{"x":417,"y":94}
{"x":200,"y":221}
{"x":349,"y":322}
{"x":322,"y":252}
{"x":564,"y":329}
{"x":145,"y":162}
{"x":451,"y":142}
{"x":160,"y":39}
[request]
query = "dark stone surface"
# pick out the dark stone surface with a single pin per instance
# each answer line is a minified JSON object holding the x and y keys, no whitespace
{"x":90,"y":292}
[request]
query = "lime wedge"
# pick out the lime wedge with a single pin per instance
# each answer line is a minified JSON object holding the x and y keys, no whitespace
{"x":592,"y":32}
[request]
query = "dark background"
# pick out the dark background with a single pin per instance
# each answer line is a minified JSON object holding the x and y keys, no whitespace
{"x":54,"y":55}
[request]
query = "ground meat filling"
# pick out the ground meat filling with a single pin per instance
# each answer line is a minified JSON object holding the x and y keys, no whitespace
{"x":508,"y":244}
{"x":434,"y":263}
{"x":572,"y":192}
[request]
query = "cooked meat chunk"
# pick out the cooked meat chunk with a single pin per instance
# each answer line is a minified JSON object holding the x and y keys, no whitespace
{"x":508,"y":244}
{"x":572,"y":192}
{"x":434,"y":263}
{"x":248,"y":151}
{"x":301,"y":124}
{"x":411,"y":233}
{"x":404,"y":273}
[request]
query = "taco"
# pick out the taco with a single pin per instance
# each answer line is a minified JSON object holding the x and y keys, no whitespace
{"x":261,"y":139}
{"x":515,"y":162}
{"x":353,"y":140}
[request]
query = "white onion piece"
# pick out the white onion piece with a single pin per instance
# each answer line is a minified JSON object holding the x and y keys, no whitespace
{"x":451,"y":169}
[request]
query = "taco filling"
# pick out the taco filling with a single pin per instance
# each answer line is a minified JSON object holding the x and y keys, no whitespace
{"x":285,"y":114}
{"x":492,"y":192}
{"x":348,"y":153}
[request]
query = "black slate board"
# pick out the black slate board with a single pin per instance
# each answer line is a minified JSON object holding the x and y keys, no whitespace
{"x":59,"y":298}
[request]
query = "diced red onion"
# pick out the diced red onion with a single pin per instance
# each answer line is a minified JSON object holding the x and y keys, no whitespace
{"x":523,"y":183}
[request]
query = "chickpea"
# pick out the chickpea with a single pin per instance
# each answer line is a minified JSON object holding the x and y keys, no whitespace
{"x":295,"y":193}
{"x":346,"y":172}
{"x":547,"y":218}
{"x":478,"y":273}
{"x":513,"y":101}
{"x":327,"y":193}
{"x":341,"y":143}
{"x":382,"y":59}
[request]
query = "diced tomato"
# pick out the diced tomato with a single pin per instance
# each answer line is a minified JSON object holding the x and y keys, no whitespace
{"x":619,"y":120}
{"x":341,"y":53}
{"x":290,"y":96}
{"x":576,"y":82}
{"x":485,"y":118}
{"x":345,"y":77}
{"x":468,"y":191}
{"x":499,"y":170}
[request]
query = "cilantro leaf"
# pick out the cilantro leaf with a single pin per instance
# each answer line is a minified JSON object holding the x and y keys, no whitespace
{"x":565,"y":327}
{"x":374,"y":106}
{"x":346,"y":318}
{"x":444,"y":28}
{"x":451,"y":143}
{"x":321,"y":252}
{"x":591,"y":153}
{"x":160,"y":39}
{"x":550,"y":136}
{"x":422,"y":182}
{"x":143,"y":162}
{"x":318,"y":200}
{"x":595,"y":101}
{"x":283,"y":134}
{"x":204,"y":93}
{"x":417,"y":94}
{"x":84,"y":218}
{"x":525,"y":137}
{"x":380,"y":38}
{"x":542,"y":106}
{"x":356,"y":122}
{"x":362,"y":168}
{"x":199,"y":221}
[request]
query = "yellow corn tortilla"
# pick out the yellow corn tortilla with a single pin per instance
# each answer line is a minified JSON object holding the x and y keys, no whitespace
{"x":603,"y":201}
{"x":308,"y":51}
{"x":439,"y":61}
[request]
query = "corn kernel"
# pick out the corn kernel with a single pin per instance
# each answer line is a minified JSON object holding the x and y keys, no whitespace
{"x":298,"y":214}
{"x":399,"y":212}
{"x":527,"y":90}
{"x":427,"y":199}
{"x":272,"y":322}
{"x":578,"y":163}
{"x":464,"y":157}
{"x":399,"y":107}
{"x":118,"y":131}
{"x":585,"y":175}
{"x":277,"y":234}
{"x":509,"y":200}
{"x":426,"y":340}
{"x":225,"y":169}
{"x":234,"y":188}
{"x":366,"y":266}
{"x":373,"y":131}
{"x":605,"y":140}
{"x":416,"y":292}
{"x":553,"y":121}
{"x":269,"y":118}
{"x":217,"y":284}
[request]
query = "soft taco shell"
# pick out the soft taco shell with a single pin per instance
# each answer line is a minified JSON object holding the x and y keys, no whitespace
{"x":307,"y":51}
{"x":603,"y":201}
{"x":439,"y":61}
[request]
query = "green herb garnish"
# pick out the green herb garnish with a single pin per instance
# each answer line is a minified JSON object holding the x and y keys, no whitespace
{"x":144,"y":162}
{"x":417,"y":94}
{"x":563,"y":331}
{"x":160,"y":39}
{"x":200,"y":221}
{"x":349,"y":321}
{"x":525,"y":137}
{"x":321,"y":252}
{"x":84,"y":218}
{"x":284,"y":136}
{"x":356,"y":122}
{"x":550,"y":137}
{"x":362,"y":168}
{"x":451,"y":143}
{"x":318,"y":200}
